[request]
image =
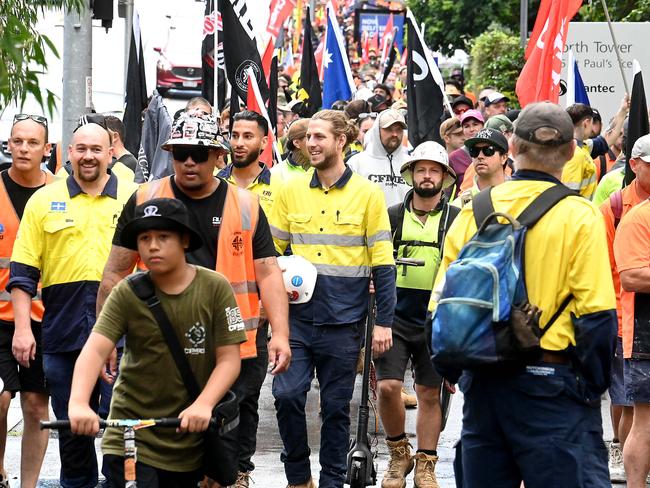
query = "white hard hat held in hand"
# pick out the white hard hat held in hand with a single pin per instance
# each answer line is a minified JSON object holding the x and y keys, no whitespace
{"x":299,"y":278}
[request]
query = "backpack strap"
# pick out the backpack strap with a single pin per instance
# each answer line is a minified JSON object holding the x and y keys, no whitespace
{"x":603,"y":166}
{"x":482,"y":206}
{"x":616,"y":202}
{"x":556,"y":315}
{"x":396,"y":218}
{"x":543,"y":203}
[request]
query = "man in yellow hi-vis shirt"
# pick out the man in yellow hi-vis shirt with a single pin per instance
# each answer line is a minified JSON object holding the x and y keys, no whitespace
{"x":579,"y":173}
{"x":338,"y":221}
{"x":64,"y":238}
{"x":540,"y":423}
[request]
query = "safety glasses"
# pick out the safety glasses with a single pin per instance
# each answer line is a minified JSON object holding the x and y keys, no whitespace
{"x":39,"y":119}
{"x":199,"y":154}
{"x":371,"y":115}
{"x":486,"y":150}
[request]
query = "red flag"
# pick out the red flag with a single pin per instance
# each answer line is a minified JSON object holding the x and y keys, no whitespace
{"x":280,"y":10}
{"x":386,"y":40}
{"x":405,"y":56}
{"x":540,"y":78}
{"x":318,"y":54}
{"x":540,"y":21}
{"x":267,"y":57}
{"x":365,"y":46}
{"x":374,"y":42}
{"x":255,"y":103}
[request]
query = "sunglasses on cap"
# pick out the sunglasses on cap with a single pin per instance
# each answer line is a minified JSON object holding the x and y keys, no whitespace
{"x":486,"y":150}
{"x":199,"y":154}
{"x":366,"y":115}
{"x":39,"y":119}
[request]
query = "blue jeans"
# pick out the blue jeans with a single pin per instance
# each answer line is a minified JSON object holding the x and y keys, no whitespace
{"x":78,"y":458}
{"x":333,"y":352}
{"x":531,"y":426}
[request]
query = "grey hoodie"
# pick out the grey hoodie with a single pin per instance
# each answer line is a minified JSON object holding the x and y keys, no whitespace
{"x":380,"y":167}
{"x":153,"y":161}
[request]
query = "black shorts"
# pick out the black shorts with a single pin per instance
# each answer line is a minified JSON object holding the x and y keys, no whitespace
{"x":409,"y":342}
{"x":16,"y":377}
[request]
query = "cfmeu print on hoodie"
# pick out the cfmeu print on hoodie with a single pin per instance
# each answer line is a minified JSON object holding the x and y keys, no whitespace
{"x":380,"y":167}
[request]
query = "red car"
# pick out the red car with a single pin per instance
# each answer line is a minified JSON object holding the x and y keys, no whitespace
{"x":178,"y":70}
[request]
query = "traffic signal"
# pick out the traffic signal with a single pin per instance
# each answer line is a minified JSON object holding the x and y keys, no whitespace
{"x":103,"y":10}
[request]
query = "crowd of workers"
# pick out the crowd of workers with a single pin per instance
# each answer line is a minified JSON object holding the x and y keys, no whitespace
{"x":349,"y":196}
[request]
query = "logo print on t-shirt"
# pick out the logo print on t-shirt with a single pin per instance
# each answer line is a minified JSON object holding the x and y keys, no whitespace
{"x":234,"y":318}
{"x":196,"y":335}
{"x":216,"y":221}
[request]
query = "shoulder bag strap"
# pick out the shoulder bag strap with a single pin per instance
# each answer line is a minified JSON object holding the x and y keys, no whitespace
{"x":482,"y":206}
{"x":143,"y":288}
{"x":557,"y":314}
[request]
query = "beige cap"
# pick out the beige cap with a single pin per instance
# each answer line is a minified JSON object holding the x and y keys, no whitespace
{"x":389,"y":117}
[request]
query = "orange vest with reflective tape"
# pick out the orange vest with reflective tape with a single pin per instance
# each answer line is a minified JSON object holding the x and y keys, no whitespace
{"x":9,"y":223}
{"x":234,"y":250}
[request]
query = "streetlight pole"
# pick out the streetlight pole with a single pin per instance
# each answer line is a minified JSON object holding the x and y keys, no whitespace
{"x":523,"y":23}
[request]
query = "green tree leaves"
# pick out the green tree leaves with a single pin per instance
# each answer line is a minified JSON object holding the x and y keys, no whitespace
{"x":23,"y":50}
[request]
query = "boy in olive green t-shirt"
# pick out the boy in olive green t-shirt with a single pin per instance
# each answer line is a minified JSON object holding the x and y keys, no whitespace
{"x":203,"y":312}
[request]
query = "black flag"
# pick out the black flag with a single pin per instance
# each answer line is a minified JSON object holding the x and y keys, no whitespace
{"x":390,"y":62}
{"x":235,"y":108}
{"x":309,"y":72}
{"x":211,"y":27}
{"x":136,"y":91}
{"x":239,"y":47}
{"x":425,"y":96}
{"x":637,"y":119}
{"x":273,"y":96}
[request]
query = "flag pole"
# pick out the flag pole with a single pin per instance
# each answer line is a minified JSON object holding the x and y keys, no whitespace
{"x":215,"y":90}
{"x":618,"y":53}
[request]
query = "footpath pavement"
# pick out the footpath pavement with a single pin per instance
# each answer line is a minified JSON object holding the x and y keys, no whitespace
{"x":268,"y":472}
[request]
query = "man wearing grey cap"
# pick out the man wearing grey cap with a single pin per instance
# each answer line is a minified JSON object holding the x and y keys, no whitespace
{"x":539,"y":421}
{"x":383,"y":156}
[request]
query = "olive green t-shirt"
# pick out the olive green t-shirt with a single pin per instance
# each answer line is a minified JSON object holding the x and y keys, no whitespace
{"x":205,"y":316}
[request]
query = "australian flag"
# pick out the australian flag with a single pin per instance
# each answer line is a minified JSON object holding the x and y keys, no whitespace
{"x":337,"y":77}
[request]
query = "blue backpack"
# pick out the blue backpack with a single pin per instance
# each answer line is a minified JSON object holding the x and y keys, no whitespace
{"x":483,"y":315}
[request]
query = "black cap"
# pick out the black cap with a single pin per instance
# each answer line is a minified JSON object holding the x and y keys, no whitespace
{"x":462,"y":99}
{"x":489,"y":136}
{"x":86,"y":119}
{"x":544,"y":115}
{"x":160,"y":214}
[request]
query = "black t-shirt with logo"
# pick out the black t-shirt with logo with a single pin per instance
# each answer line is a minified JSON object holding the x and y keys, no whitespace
{"x":18,"y":194}
{"x":205,"y":218}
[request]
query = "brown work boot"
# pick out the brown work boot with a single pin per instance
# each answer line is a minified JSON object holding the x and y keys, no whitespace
{"x":243,"y":479}
{"x":399,"y":465}
{"x":307,"y":484}
{"x":410,"y":401}
{"x":425,"y":476}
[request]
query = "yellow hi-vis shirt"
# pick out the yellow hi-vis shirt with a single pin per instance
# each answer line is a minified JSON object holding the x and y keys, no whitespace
{"x":264,"y":186}
{"x":344,"y":231}
{"x":579,"y":172}
{"x":565,"y":252}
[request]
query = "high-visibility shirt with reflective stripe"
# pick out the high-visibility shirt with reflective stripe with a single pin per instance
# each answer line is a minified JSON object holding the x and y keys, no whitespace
{"x":579,"y":172}
{"x":565,"y":252}
{"x":344,"y":231}
{"x":66,"y":234}
{"x":264,"y":186}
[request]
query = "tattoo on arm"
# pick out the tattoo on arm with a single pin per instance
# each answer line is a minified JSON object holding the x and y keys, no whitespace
{"x":120,"y":263}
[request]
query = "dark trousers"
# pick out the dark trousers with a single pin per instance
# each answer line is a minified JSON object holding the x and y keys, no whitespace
{"x":531,"y":426}
{"x":333,"y":352}
{"x":148,"y":476}
{"x":78,"y":458}
{"x":247,"y":388}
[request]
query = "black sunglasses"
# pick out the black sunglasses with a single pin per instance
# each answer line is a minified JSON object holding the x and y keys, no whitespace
{"x":486,"y":150}
{"x":199,"y":154}
{"x":39,"y":119}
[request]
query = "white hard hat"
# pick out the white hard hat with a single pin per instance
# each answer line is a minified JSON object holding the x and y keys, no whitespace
{"x":299,"y":278}
{"x":429,"y":151}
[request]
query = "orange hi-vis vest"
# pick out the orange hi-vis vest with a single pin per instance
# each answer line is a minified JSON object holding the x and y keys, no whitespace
{"x":9,"y":223}
{"x":234,"y":250}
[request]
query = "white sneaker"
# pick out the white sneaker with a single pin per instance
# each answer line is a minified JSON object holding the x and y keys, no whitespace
{"x":616,"y":469}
